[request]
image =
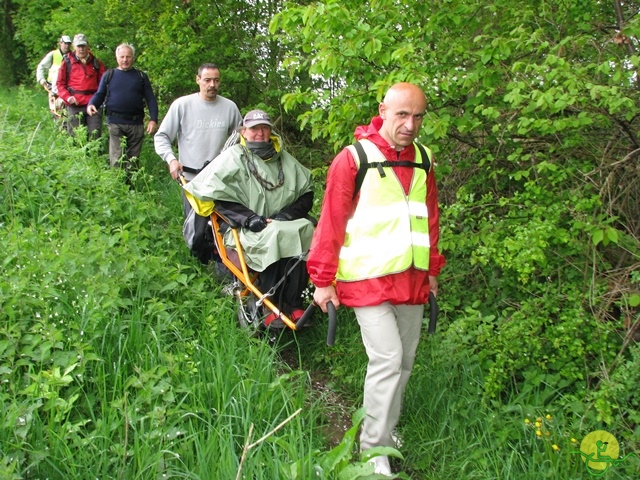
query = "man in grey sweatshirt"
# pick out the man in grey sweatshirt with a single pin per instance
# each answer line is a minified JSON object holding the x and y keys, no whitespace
{"x":201,"y":123}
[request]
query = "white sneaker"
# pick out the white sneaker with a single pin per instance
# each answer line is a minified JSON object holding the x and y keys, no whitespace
{"x":381,"y":465}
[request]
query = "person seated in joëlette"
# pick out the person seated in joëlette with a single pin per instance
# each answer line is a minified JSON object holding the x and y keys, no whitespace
{"x":258,"y":185}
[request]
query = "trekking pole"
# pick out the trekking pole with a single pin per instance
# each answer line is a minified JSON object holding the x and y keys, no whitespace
{"x":433,"y":314}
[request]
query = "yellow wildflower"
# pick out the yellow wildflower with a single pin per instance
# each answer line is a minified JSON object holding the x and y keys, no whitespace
{"x":555,"y":447}
{"x":538,"y":433}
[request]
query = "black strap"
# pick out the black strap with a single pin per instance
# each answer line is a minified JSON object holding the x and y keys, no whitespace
{"x":124,"y":116}
{"x":400,"y":163}
{"x":73,"y":91}
{"x":195,"y":170}
{"x":107,"y":78}
{"x":365,"y":165}
{"x":362,"y":168}
{"x":425,"y":157}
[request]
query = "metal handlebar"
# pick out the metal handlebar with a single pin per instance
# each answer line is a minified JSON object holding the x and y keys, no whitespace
{"x":308,"y":313}
{"x":433,"y":314}
{"x":331,"y":311}
{"x":331,"y":330}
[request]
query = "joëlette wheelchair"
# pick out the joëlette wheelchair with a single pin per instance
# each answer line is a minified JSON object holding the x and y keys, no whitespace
{"x":250,"y":299}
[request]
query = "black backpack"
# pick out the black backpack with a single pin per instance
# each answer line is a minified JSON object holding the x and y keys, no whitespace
{"x":67,"y":62}
{"x":109,"y":73}
{"x":365,"y":165}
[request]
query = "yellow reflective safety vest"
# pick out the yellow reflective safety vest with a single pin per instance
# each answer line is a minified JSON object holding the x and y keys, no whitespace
{"x":56,"y":61}
{"x":389,"y":231}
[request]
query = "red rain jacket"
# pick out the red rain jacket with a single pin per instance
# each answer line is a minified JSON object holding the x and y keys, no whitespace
{"x":83,"y":78}
{"x":409,"y":287}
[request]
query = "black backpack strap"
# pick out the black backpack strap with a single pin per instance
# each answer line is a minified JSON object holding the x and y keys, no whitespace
{"x":196,"y":170}
{"x":365,"y":165}
{"x":362,"y":168}
{"x":144,"y":80}
{"x":426,"y":162}
{"x":108,"y":74}
{"x":107,"y":78}
{"x":67,"y":63}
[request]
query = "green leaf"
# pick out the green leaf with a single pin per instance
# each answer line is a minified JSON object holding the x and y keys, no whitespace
{"x":597,"y":236}
{"x":612,"y":235}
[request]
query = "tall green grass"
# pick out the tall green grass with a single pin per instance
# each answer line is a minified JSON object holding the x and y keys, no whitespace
{"x":449,"y":431}
{"x":120,"y":357}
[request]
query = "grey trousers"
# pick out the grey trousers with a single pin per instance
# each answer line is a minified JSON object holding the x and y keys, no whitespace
{"x":202,"y":247}
{"x":133,"y":135}
{"x":78,"y":115}
{"x":390,"y":334}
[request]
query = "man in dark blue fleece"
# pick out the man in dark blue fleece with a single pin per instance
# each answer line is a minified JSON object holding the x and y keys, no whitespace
{"x":124,"y":91}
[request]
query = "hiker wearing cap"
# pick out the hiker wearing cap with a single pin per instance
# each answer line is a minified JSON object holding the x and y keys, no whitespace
{"x":200,"y":122}
{"x":47,"y":74}
{"x":124,"y":91}
{"x":260,"y":186}
{"x":78,"y":79}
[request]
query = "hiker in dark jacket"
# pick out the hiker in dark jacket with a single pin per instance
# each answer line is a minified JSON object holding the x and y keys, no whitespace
{"x":77,"y":81}
{"x":124,"y":92}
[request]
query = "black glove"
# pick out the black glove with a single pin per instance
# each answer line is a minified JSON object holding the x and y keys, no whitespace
{"x":255,"y":223}
{"x":281,"y":216}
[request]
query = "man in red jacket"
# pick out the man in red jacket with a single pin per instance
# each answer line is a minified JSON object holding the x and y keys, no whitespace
{"x":78,"y":79}
{"x":376,"y":250}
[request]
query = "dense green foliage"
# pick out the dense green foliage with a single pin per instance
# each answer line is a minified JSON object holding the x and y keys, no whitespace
{"x":533,"y":113}
{"x":172,"y":39}
{"x":7,"y":59}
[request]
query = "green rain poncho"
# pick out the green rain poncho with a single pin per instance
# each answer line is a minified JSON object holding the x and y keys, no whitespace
{"x":228,"y":178}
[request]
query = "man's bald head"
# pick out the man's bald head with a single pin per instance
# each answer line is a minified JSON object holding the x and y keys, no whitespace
{"x":402,"y":112}
{"x":408,"y":90}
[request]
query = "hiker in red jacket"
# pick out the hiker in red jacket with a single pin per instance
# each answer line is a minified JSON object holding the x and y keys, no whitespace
{"x":78,"y":79}
{"x":376,"y":250}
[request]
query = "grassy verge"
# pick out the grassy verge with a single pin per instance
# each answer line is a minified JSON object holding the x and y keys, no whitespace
{"x":448,"y":429}
{"x":120,"y":357}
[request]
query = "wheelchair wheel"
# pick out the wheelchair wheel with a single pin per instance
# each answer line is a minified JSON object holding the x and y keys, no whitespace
{"x":249,"y":314}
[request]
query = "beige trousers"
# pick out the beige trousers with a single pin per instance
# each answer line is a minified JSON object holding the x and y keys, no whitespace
{"x":390,"y":334}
